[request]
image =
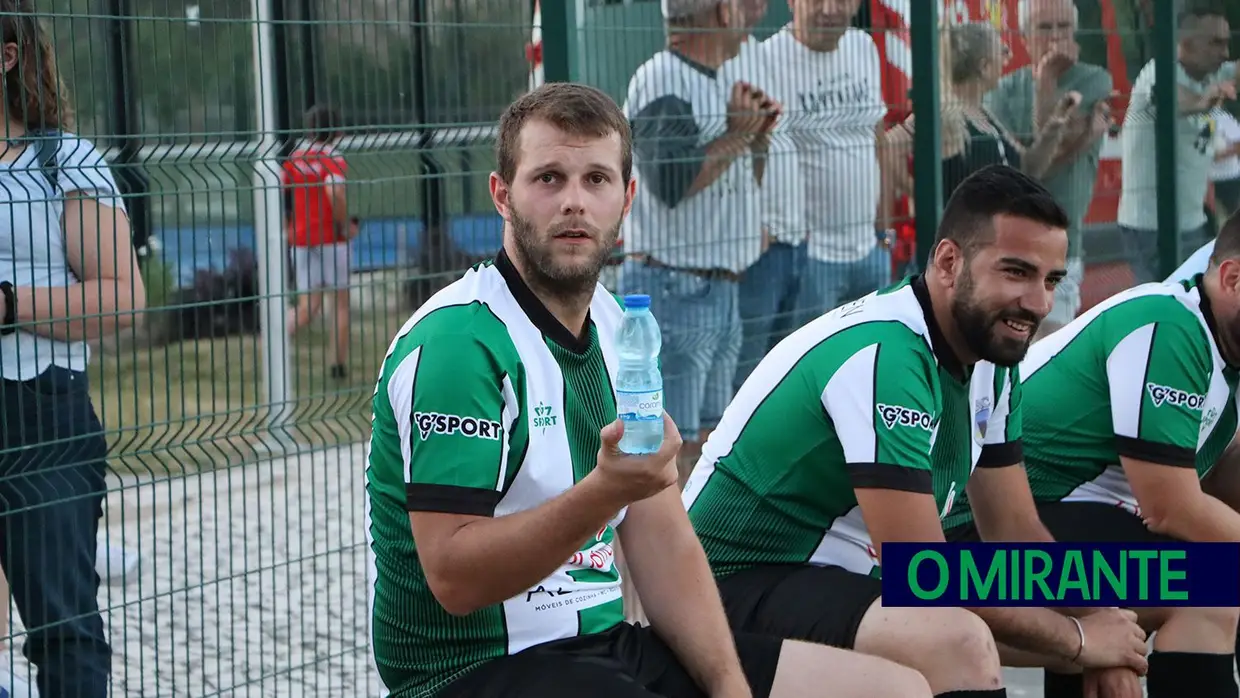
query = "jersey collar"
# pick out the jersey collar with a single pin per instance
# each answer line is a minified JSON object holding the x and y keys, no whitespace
{"x":538,"y":313}
{"x":938,"y":341}
{"x":1198,"y":283}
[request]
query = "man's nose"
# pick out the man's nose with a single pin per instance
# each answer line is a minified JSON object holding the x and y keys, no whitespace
{"x":573,"y":200}
{"x":1039,"y":300}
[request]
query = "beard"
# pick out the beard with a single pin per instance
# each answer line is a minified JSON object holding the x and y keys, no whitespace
{"x":561,"y":274}
{"x":978,"y":327}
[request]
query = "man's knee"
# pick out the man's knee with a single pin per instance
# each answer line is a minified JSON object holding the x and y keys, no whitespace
{"x":805,"y":668}
{"x":1191,"y":629}
{"x":1224,"y":619}
{"x":952,"y":647}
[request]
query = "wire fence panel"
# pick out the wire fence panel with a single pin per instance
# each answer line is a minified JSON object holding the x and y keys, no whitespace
{"x":244,"y":201}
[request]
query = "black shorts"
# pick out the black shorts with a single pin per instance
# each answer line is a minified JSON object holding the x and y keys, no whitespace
{"x":823,"y":605}
{"x":627,"y":661}
{"x":1080,"y":522}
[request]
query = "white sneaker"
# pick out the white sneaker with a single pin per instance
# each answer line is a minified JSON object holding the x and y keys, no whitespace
{"x":115,"y":565}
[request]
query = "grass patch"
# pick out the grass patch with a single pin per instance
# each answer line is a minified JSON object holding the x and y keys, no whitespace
{"x":197,"y":405}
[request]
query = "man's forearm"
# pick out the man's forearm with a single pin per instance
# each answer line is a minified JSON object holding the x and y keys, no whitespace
{"x":1039,"y":630}
{"x":1193,"y":103}
{"x":720,"y":153}
{"x":1024,"y":529}
{"x":82,"y":311}
{"x":761,"y":148}
{"x":492,"y":560}
{"x":682,"y":604}
{"x":1044,"y":98}
{"x":1206,"y":520}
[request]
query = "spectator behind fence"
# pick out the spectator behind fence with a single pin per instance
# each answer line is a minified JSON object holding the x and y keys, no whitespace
{"x":493,"y":541}
{"x":68,"y":274}
{"x":1027,"y":98}
{"x":828,"y":77}
{"x":695,"y":226}
{"x":319,"y":228}
{"x":1225,"y":172}
{"x":770,"y":286}
{"x":972,"y":56}
{"x":1204,"y":80}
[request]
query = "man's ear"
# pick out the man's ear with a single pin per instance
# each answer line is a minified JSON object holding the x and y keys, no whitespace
{"x":500,"y":195}
{"x":1229,"y":276}
{"x":630,"y":191}
{"x":946,"y":261}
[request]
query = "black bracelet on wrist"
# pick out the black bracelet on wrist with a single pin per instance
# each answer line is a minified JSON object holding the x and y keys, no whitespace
{"x":8,"y":324}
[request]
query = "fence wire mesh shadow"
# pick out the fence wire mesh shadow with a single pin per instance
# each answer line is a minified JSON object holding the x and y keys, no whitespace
{"x":233,"y":384}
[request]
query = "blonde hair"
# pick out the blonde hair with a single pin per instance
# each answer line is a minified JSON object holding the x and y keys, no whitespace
{"x":964,"y":50}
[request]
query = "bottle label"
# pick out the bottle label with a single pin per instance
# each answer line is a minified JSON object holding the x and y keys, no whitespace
{"x":639,"y":405}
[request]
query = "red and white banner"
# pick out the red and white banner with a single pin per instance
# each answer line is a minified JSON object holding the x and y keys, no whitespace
{"x":534,"y":50}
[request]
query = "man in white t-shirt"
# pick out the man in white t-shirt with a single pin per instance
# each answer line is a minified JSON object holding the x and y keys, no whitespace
{"x":695,"y":225}
{"x":771,"y":285}
{"x":1205,"y":78}
{"x":829,"y":83}
{"x":1225,"y":173}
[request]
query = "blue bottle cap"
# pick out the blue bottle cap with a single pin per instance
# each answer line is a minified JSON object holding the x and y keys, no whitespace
{"x":637,"y":300}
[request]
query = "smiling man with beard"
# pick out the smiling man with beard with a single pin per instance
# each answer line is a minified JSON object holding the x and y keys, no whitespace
{"x":866,"y":425}
{"x":1128,"y":411}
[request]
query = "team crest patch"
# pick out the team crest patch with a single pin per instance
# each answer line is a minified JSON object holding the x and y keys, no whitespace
{"x":981,"y":415}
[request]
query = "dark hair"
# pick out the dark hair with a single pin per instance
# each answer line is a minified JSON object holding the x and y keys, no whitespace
{"x":323,"y":123}
{"x":576,"y":109}
{"x":992,"y":191}
{"x":1227,"y":243}
{"x":1193,"y":10}
{"x":33,"y":91}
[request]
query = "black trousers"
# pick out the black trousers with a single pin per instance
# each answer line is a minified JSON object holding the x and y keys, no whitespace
{"x":52,"y":463}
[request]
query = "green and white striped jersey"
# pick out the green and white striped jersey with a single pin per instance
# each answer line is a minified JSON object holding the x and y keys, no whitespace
{"x":867,"y":396}
{"x":1140,"y":376}
{"x":485,"y":405}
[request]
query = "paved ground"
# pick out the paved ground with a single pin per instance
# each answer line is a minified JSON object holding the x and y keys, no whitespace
{"x":253,"y":583}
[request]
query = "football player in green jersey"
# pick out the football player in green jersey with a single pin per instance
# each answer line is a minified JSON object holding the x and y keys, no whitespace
{"x":867,"y":424}
{"x":1128,"y":410}
{"x":495,"y":488}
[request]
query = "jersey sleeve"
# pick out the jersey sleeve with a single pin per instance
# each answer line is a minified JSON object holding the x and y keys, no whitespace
{"x":456,"y":405}
{"x":334,"y":169}
{"x":882,"y":403}
{"x":1001,"y":445}
{"x":1158,"y":377}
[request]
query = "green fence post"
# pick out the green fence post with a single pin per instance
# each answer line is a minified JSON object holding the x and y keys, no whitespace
{"x":927,"y":171}
{"x":1166,"y":110}
{"x":561,"y":45}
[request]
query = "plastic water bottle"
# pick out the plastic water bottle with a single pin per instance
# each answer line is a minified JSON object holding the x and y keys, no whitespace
{"x":639,"y":385}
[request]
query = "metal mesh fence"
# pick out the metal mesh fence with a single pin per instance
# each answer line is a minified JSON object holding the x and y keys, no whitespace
{"x":227,"y":461}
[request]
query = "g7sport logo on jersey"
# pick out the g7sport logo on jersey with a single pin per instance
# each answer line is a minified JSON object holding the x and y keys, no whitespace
{"x":544,"y":416}
{"x":434,"y":422}
{"x":1162,"y":395}
{"x":893,"y":415}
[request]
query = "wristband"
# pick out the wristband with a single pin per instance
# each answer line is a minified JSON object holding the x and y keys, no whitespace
{"x":8,"y":323}
{"x":1080,"y":629}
